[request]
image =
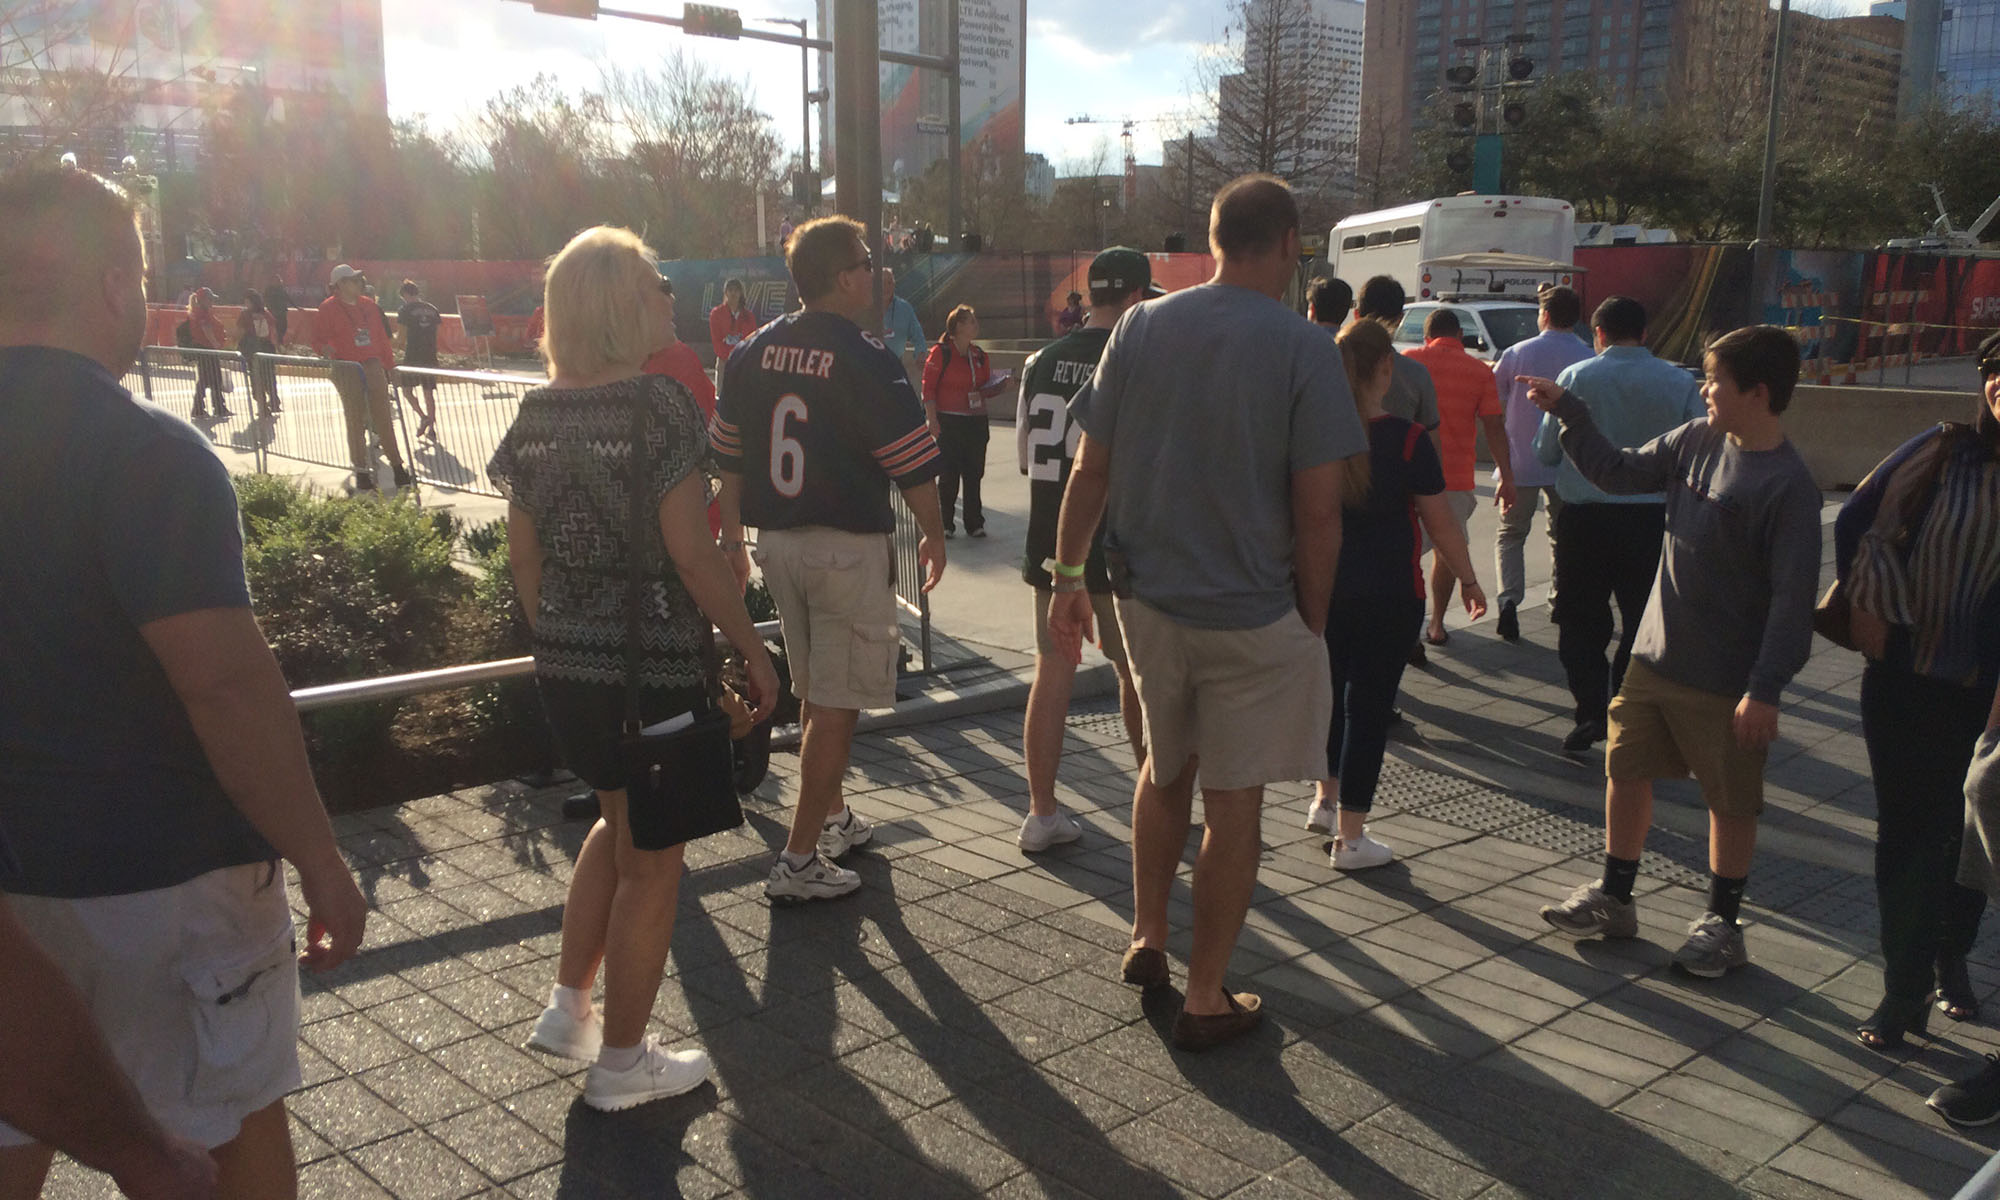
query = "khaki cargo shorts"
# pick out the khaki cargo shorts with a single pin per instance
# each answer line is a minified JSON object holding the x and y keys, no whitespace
{"x":1660,"y":729}
{"x":837,"y":611}
{"x":195,"y":988}
{"x":1463,"y":505}
{"x":1109,"y":638}
{"x":1254,"y":704}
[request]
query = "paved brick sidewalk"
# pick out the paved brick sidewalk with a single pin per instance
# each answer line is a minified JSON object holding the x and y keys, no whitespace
{"x":957,"y":1027}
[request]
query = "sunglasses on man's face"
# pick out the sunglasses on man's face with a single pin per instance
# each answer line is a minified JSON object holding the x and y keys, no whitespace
{"x":867,"y":263}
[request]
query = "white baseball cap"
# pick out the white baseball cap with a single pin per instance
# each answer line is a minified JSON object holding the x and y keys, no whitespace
{"x":343,"y":271}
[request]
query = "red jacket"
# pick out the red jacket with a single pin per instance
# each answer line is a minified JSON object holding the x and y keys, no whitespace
{"x":206,"y":329}
{"x":952,"y":380}
{"x":726,"y":330}
{"x":680,"y":362}
{"x":353,"y":333}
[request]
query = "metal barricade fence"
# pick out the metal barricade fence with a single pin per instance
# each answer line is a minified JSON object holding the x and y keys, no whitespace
{"x":910,"y":592}
{"x":458,"y":419}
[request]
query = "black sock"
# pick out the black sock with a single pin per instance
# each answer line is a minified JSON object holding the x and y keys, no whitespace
{"x":1725,"y":896}
{"x":1619,"y":876}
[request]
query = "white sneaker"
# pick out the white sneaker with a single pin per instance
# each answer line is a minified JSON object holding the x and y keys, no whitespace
{"x":839,"y":836}
{"x":564,"y":1036}
{"x":1322,"y":817}
{"x":1039,"y":833}
{"x":657,"y":1075}
{"x":819,"y":879}
{"x":1360,"y":854}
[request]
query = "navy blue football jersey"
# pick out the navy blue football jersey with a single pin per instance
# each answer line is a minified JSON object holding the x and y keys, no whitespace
{"x":819,"y":419}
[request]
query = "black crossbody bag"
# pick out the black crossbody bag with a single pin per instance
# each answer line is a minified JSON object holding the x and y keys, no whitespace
{"x":679,"y":786}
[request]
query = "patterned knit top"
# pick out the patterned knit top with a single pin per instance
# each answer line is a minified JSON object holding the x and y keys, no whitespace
{"x":1936,"y":581}
{"x":567,"y":460}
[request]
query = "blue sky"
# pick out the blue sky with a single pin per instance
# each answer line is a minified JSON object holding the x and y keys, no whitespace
{"x":1107,"y":58}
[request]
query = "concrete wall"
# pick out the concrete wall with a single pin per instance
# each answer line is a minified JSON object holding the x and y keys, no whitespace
{"x":1844,"y":431}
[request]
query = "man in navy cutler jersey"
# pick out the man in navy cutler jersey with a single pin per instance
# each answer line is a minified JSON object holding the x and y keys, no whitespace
{"x":816,"y":422}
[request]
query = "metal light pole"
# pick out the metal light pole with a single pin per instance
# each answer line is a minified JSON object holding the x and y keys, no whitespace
{"x":1762,"y":252}
{"x":805,"y":90}
{"x":857,"y":120}
{"x":955,"y":135}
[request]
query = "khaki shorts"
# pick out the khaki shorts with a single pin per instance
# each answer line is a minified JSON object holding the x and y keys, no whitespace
{"x":1660,"y":729}
{"x":1109,"y":639}
{"x":837,"y":610}
{"x":1463,"y":505}
{"x":1253,"y":704}
{"x":195,"y":988}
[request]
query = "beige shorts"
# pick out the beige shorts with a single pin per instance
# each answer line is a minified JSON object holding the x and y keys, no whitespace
{"x":1463,"y":505}
{"x":1109,"y":639}
{"x":194,"y":987}
{"x":1253,"y":704}
{"x":1660,"y":729}
{"x":837,"y":610}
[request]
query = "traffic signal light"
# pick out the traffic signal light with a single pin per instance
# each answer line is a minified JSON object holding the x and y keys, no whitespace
{"x":584,"y":9}
{"x":1515,"y":112}
{"x":1462,"y":74}
{"x":805,"y":188}
{"x":1463,"y":114}
{"x":1458,"y":161}
{"x":1520,"y":68}
{"x":711,"y":20}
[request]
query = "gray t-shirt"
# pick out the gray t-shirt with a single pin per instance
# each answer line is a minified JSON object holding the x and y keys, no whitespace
{"x":1411,"y":395}
{"x":1208,"y":400}
{"x":1731,"y":609}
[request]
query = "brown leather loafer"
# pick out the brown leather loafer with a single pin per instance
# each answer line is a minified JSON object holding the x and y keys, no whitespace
{"x":1201,"y":1033}
{"x":1145,"y":966}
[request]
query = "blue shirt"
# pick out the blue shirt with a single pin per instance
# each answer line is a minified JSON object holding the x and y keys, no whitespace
{"x":901,"y":331}
{"x":114,"y":514}
{"x":1544,"y":356}
{"x":1633,"y":397}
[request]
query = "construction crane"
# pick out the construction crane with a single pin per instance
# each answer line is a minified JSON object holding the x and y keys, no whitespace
{"x":1961,"y":239}
{"x":1131,"y":189}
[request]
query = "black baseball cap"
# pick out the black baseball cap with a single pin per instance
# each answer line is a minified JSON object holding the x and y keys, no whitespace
{"x":1119,"y":269}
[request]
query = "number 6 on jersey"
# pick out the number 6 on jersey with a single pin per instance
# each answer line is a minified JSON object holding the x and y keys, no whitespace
{"x":788,"y":457}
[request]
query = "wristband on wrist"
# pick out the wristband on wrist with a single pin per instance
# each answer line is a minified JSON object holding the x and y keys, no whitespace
{"x":1062,"y":570}
{"x":1067,"y":583}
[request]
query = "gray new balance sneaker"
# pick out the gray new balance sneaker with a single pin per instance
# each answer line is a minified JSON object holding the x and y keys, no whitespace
{"x":1714,"y":945}
{"x":1591,"y":911}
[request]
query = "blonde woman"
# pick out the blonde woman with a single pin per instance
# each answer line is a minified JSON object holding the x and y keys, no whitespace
{"x":567,"y":465}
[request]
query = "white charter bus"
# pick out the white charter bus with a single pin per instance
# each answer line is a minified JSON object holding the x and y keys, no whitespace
{"x":1499,"y":247}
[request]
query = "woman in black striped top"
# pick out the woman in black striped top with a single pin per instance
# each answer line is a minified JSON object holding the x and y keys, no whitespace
{"x":1918,"y":547}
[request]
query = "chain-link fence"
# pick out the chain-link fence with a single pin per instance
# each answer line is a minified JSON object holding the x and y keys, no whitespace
{"x":442,"y":425}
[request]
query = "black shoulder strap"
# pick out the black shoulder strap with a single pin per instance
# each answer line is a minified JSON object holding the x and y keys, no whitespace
{"x":635,"y":552}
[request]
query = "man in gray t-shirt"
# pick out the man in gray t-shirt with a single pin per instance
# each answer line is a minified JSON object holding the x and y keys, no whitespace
{"x":1215,"y":433}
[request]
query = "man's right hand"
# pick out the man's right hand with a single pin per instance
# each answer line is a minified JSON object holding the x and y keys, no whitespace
{"x":1544,"y":392}
{"x":181,"y":1171}
{"x":1070,"y":623}
{"x":336,"y":915}
{"x":930,"y":553}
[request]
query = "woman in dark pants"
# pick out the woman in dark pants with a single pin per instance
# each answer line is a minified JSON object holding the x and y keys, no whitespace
{"x":957,"y":383}
{"x":570,"y":464}
{"x":1378,"y":595}
{"x":1918,"y":550}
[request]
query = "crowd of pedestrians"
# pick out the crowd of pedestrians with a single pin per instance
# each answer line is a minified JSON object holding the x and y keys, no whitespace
{"x":1230,"y":499}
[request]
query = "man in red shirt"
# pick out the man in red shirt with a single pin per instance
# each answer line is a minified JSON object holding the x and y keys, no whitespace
{"x":1467,"y":399}
{"x":730,"y":322}
{"x":350,"y":330}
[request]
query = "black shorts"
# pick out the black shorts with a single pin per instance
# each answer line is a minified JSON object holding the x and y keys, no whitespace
{"x":587,"y":718}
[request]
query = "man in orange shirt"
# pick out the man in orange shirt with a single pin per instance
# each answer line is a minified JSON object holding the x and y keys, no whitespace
{"x":351,"y":331}
{"x":1467,"y":399}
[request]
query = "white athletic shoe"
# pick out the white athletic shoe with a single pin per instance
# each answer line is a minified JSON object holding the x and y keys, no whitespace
{"x":1322,"y":818}
{"x":819,"y":879}
{"x":564,"y":1036}
{"x":839,"y":836}
{"x":657,"y":1075}
{"x":1039,"y":833}
{"x":1360,"y":854}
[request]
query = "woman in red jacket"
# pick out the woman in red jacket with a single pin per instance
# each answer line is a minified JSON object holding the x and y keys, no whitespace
{"x":957,"y":383}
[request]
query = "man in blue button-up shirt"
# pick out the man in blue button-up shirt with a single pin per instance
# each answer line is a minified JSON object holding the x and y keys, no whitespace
{"x":901,"y":331}
{"x":1546,"y":355}
{"x":1609,"y":546}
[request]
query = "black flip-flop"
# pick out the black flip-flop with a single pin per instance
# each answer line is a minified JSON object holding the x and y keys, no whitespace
{"x":1439,"y":640}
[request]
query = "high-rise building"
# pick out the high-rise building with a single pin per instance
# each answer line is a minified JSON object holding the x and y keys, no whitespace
{"x":167,"y":59}
{"x":1969,"y":49}
{"x":992,"y":83}
{"x":1849,"y":66}
{"x":1317,"y":43}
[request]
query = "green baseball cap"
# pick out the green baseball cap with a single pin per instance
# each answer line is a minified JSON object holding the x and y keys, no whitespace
{"x":1119,"y":269}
